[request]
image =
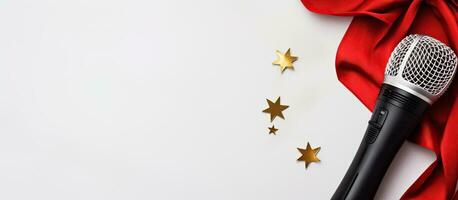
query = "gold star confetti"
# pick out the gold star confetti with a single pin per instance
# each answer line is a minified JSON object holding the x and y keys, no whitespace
{"x":284,"y":60}
{"x":273,"y":130}
{"x":309,"y":155}
{"x":275,"y":109}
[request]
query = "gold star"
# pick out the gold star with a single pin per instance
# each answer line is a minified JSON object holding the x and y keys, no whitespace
{"x":284,"y":60}
{"x":309,"y":155}
{"x":273,"y":130}
{"x":275,"y":109}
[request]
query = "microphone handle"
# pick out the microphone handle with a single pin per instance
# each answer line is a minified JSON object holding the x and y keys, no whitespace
{"x":396,"y":115}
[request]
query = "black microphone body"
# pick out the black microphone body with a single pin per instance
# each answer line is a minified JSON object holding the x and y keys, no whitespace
{"x":419,"y":71}
{"x":396,"y":115}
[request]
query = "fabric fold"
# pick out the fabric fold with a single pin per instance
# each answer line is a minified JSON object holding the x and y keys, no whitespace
{"x":377,"y":27}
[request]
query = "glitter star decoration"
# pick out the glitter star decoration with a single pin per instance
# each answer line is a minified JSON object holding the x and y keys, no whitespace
{"x":275,"y":109}
{"x":309,"y":155}
{"x":273,"y":130}
{"x":284,"y":60}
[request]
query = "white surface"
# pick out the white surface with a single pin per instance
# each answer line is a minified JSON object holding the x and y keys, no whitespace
{"x":163,"y":99}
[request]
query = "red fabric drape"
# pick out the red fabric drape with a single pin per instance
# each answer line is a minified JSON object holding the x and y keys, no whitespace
{"x":378,"y":26}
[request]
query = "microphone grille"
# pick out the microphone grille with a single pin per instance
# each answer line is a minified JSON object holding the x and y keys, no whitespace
{"x":422,"y":64}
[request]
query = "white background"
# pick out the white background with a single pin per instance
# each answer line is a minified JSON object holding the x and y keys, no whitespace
{"x":141,"y":99}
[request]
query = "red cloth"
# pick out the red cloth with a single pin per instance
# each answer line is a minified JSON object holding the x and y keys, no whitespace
{"x":378,"y":26}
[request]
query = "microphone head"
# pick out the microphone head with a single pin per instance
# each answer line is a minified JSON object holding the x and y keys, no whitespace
{"x":422,"y":66}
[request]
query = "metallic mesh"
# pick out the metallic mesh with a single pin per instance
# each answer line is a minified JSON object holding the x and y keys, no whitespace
{"x":398,"y":54}
{"x":430,"y":65}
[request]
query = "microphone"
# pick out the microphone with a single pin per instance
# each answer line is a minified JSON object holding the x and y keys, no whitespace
{"x":418,"y":72}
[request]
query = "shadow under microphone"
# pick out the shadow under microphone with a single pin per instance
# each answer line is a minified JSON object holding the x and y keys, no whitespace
{"x":419,"y":71}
